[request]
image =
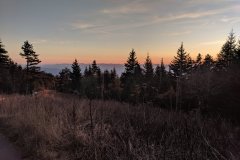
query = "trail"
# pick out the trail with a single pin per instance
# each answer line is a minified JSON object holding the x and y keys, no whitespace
{"x":7,"y":150}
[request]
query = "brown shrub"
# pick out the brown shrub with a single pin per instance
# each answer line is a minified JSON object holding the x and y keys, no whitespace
{"x":59,"y":127}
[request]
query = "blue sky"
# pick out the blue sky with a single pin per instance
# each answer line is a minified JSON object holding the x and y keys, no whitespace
{"x":107,"y":30}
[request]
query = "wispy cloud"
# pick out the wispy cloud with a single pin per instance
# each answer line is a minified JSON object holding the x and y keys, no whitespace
{"x":139,"y":6}
{"x":146,"y":22}
{"x":82,"y":25}
{"x":124,"y":10}
{"x":191,"y":15}
{"x":88,"y":26}
{"x":230,"y":19}
{"x":135,"y":6}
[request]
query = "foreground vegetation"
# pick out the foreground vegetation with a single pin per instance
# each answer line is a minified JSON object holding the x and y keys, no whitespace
{"x":57,"y":126}
{"x":190,"y":82}
{"x":190,"y":111}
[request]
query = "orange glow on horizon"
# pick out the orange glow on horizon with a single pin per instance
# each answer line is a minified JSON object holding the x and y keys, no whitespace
{"x":58,"y":55}
{"x":117,"y":58}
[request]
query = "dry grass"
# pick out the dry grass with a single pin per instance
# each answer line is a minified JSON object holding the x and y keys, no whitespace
{"x":59,"y":127}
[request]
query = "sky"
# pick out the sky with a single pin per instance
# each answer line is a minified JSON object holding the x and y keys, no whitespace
{"x":107,"y":30}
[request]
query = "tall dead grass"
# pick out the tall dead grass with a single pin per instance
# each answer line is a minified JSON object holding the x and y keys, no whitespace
{"x":59,"y":127}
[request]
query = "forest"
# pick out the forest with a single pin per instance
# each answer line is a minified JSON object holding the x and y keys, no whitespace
{"x":136,"y":110}
{"x":202,"y":82}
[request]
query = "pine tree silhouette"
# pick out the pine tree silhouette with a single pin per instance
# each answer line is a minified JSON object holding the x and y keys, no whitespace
{"x":238,"y":52}
{"x":4,"y":67}
{"x":208,"y":61}
{"x":227,"y":54}
{"x":64,"y":80}
{"x":198,"y":61}
{"x":4,"y":58}
{"x":94,"y":67}
{"x":131,"y":78}
{"x":31,"y":57}
{"x":148,"y":68}
{"x":31,"y":64}
{"x":76,"y":76}
{"x":181,"y":63}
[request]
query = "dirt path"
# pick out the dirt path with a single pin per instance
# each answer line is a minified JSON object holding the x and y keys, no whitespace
{"x":7,"y":150}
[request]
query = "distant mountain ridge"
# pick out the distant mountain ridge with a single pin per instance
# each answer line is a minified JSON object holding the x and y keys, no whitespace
{"x":56,"y":68}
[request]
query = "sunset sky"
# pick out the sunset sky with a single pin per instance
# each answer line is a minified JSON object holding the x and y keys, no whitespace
{"x":107,"y":30}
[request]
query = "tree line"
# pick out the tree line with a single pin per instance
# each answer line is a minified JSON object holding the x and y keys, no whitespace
{"x":17,"y":79}
{"x":201,"y":82}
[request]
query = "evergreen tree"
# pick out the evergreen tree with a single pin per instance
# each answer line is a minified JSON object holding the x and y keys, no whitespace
{"x":31,"y":65}
{"x":94,"y":67}
{"x":131,"y":78}
{"x":107,"y":79}
{"x":92,"y":81}
{"x":31,"y":57}
{"x":99,"y":76}
{"x":4,"y":67}
{"x":90,"y":87}
{"x":180,"y":66}
{"x":138,"y":71}
{"x":113,"y":74}
{"x":132,"y":68}
{"x":16,"y":77}
{"x":85,"y":72}
{"x":132,"y":65}
{"x":160,"y":71}
{"x":148,"y":68}
{"x":181,"y":63}
{"x":157,"y":72}
{"x":88,"y":71}
{"x":198,"y":61}
{"x":64,"y":80}
{"x":208,"y":61}
{"x":4,"y":58}
{"x":161,"y":77}
{"x":146,"y":89}
{"x":76,"y":76}
{"x":227,"y":53}
{"x":114,"y":89}
{"x":238,"y":52}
